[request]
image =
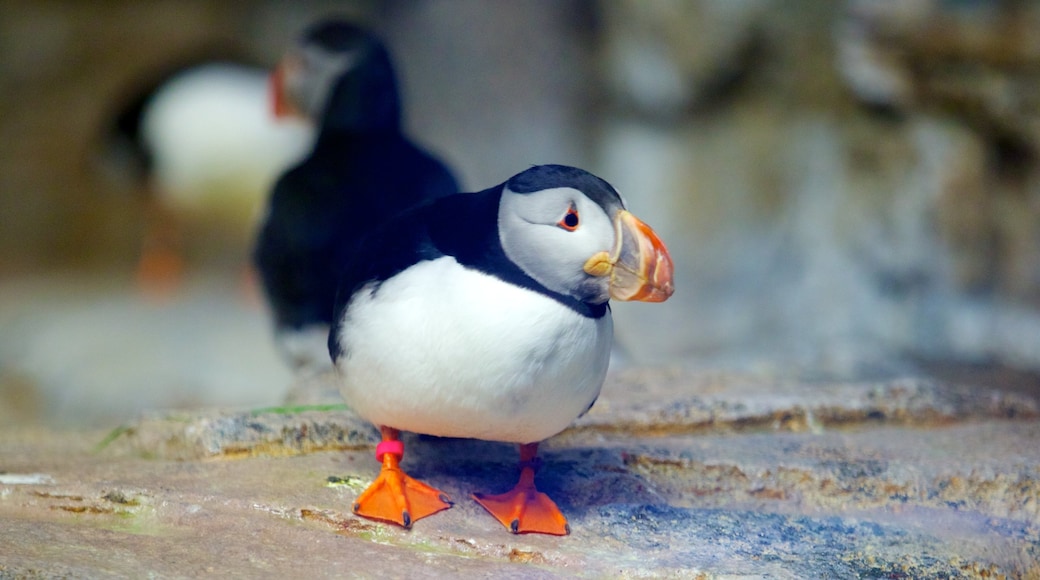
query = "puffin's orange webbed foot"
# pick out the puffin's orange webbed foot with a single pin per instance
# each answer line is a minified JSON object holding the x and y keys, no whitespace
{"x":524,"y":509}
{"x":394,"y":496}
{"x":161,"y":265}
{"x":160,"y":272}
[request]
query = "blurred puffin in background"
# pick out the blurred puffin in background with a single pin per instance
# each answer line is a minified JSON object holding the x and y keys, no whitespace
{"x":361,"y":172}
{"x":485,"y":315}
{"x":202,"y":143}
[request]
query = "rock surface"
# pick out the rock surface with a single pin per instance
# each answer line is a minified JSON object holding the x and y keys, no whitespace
{"x":674,"y":473}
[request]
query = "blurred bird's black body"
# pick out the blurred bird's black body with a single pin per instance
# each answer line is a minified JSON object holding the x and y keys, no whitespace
{"x":361,"y":172}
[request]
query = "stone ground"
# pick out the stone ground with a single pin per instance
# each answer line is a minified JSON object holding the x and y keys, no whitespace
{"x":674,"y":473}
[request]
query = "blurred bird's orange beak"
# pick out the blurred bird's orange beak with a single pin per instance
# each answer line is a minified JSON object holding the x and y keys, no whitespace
{"x":275,"y":84}
{"x":639,"y":266}
{"x":282,"y":106}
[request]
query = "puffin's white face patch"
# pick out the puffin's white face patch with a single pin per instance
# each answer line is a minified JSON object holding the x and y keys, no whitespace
{"x":552,"y":255}
{"x":311,"y":87}
{"x":446,"y":350}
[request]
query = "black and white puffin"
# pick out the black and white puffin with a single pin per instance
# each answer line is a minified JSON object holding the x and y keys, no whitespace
{"x":485,"y":315}
{"x":200,"y":143}
{"x":361,"y":170}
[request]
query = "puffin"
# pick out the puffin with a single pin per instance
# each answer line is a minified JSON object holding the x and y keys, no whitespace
{"x":486,"y":315}
{"x":361,"y":170}
{"x":200,"y":144}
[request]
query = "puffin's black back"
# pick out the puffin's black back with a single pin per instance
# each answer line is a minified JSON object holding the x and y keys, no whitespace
{"x":361,"y":171}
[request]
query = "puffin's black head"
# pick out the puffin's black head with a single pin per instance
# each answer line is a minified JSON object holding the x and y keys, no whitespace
{"x":340,"y":76}
{"x":336,"y":36}
{"x":570,"y":231}
{"x":542,"y":177}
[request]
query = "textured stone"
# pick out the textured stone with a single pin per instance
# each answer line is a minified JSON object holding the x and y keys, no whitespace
{"x":636,"y":402}
{"x":674,"y":474}
{"x":662,"y":401}
{"x":274,"y":431}
{"x":960,"y":503}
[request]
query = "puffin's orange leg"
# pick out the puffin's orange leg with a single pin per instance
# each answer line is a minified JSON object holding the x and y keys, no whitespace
{"x":394,"y":496}
{"x":160,"y":268}
{"x":159,"y":272}
{"x":524,"y":509}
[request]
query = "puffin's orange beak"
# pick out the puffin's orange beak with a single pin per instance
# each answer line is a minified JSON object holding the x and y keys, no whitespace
{"x":282,"y":106}
{"x":640,"y":267}
{"x":275,"y":83}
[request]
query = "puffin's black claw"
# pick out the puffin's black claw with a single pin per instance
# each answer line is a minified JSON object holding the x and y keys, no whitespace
{"x":357,"y":506}
{"x":514,"y":526}
{"x":445,"y":499}
{"x":407,"y":517}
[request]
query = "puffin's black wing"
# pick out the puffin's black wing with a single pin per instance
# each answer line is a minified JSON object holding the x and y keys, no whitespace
{"x":321,"y":210}
{"x":461,"y":223}
{"x":295,"y":254}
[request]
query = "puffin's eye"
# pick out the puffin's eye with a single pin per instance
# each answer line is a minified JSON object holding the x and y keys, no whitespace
{"x":570,"y":220}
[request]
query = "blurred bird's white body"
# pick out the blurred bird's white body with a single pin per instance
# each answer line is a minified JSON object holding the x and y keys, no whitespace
{"x":215,"y":144}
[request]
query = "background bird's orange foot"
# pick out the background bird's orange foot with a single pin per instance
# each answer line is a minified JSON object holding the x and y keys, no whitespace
{"x":160,"y":272}
{"x":524,"y":510}
{"x":396,"y":497}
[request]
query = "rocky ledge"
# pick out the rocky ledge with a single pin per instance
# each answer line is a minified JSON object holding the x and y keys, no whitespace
{"x":673,"y":473}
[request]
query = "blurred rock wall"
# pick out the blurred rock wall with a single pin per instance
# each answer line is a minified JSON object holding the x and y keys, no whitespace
{"x":842,"y":181}
{"x":839,"y":182}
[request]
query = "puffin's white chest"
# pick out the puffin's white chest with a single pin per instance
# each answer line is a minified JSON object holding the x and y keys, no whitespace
{"x":444,"y":350}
